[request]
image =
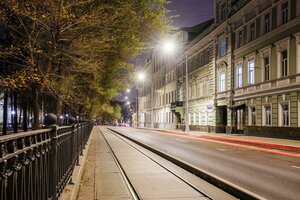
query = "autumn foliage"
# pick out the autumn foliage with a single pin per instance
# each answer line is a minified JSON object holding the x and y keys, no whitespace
{"x":73,"y":54}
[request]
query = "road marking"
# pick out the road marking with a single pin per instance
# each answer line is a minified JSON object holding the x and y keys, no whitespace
{"x":298,"y":167}
{"x":221,"y":149}
{"x":180,"y":140}
{"x":274,"y":151}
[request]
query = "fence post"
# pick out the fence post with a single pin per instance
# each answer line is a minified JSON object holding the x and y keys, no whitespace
{"x":50,"y":122}
{"x":78,"y":143}
{"x":53,"y":163}
{"x":73,"y":145}
{"x":81,"y":141}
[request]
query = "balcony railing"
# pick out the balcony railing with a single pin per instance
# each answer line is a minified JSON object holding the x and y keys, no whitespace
{"x":176,"y":104}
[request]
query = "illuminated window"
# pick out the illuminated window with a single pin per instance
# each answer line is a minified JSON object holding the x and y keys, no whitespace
{"x":239,"y":76}
{"x":222,"y":82}
{"x":251,"y":72}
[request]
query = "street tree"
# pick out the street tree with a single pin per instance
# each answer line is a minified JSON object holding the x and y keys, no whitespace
{"x":74,"y":52}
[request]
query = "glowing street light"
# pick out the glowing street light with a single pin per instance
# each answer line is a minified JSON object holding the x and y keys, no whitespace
{"x":126,"y":97}
{"x":169,"y":47}
{"x":127,"y":90}
{"x":141,"y":76}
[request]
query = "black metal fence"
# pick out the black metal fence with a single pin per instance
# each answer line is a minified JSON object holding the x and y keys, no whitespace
{"x":37,"y":165}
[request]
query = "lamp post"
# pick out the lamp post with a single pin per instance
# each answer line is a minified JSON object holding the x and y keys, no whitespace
{"x":141,"y":77}
{"x":187,"y":128}
{"x":169,"y":47}
{"x":137,"y":107}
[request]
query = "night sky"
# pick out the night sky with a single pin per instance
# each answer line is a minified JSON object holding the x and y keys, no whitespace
{"x":186,"y":13}
{"x":190,"y":12}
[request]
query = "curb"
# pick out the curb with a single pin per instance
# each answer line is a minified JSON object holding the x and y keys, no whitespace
{"x":258,"y":143}
{"x":223,"y":184}
{"x":277,"y":146}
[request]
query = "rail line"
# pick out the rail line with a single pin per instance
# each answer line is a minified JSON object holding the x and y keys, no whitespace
{"x":127,"y":180}
{"x":226,"y":186}
{"x":133,"y":193}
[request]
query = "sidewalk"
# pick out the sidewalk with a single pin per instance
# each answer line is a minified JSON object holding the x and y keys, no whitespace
{"x":274,"y":143}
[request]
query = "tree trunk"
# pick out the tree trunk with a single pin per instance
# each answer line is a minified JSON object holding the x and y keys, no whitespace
{"x":15,"y":116}
{"x":36,"y":109}
{"x":24,"y":116}
{"x":58,"y":110}
{"x":4,"y":130}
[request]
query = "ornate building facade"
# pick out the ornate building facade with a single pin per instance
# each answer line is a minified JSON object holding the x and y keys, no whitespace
{"x":244,"y":72}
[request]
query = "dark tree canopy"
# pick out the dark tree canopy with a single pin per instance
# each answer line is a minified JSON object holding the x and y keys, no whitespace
{"x":74,"y":53}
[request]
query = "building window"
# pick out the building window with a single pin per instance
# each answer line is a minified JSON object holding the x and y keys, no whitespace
{"x":222,"y":48}
{"x":266,"y":68}
{"x":267,"y":23}
{"x":207,"y":88}
{"x":201,"y":89}
{"x":298,"y":113}
{"x":252,"y":116}
{"x":251,"y":72}
{"x":284,"y":63}
{"x":284,"y":12}
{"x":267,"y":115}
{"x":239,"y":76}
{"x":223,"y":11}
{"x":180,"y":94}
{"x":195,"y":90}
{"x":222,"y":82}
{"x":240,"y":38}
{"x":284,"y":114}
{"x":199,"y":118}
{"x":252,"y":31}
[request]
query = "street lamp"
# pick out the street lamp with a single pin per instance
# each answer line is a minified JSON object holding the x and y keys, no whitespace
{"x":168,"y":47}
{"x":141,"y":77}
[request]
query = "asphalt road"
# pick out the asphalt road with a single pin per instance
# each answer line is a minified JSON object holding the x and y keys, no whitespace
{"x":272,"y":176}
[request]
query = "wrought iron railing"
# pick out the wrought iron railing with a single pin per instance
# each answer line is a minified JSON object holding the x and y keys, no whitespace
{"x":37,"y":165}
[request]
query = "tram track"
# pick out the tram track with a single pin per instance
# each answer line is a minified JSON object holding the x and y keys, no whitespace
{"x":133,"y":193}
{"x":214,"y":191}
{"x":124,"y":139}
{"x":228,"y":187}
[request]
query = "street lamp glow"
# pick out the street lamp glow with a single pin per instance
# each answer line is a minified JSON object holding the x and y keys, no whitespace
{"x":127,"y":90}
{"x":128,"y":102}
{"x":141,"y":76}
{"x":126,"y":97}
{"x":168,"y":46}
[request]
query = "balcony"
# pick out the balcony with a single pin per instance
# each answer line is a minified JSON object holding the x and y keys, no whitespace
{"x":176,"y":104}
